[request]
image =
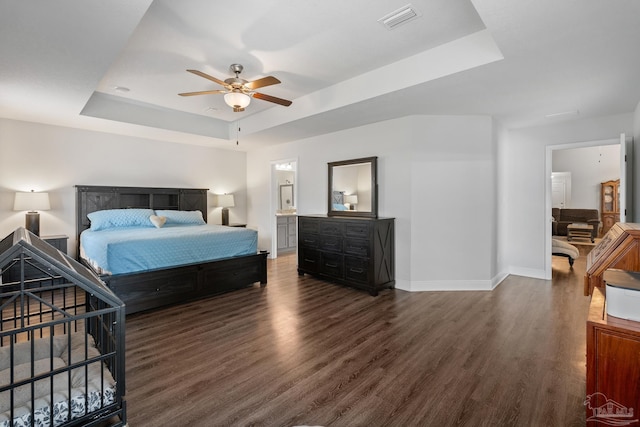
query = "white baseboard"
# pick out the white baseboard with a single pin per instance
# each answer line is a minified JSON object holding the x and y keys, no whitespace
{"x":450,"y":285}
{"x":527,"y":272}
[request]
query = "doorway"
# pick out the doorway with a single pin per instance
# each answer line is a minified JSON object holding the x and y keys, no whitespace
{"x":589,"y":198}
{"x":284,"y":195}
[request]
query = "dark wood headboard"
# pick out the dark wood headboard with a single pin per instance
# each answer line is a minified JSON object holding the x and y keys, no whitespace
{"x":91,"y":198}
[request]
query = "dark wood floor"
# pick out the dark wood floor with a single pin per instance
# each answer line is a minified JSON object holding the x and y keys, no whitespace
{"x":304,"y":352}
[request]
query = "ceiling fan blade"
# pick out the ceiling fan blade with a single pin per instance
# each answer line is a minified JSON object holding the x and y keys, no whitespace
{"x":202,"y":92}
{"x":270,"y":98}
{"x":265,"y":81}
{"x":208,"y":77}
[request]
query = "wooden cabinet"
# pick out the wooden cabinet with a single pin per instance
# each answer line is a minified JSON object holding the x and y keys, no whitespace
{"x":59,"y":242}
{"x":613,"y":366}
{"x":609,"y":204}
{"x":619,"y":248}
{"x":287,"y":232}
{"x":34,"y":270}
{"x":358,"y":252}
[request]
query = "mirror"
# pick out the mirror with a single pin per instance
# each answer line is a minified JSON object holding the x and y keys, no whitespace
{"x":352,"y":188}
{"x":286,"y":197}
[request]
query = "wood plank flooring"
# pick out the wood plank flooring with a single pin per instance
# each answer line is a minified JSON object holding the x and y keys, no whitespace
{"x":305,"y":352}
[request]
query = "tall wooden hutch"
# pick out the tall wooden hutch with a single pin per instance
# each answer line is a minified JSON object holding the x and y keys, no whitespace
{"x":609,"y":204}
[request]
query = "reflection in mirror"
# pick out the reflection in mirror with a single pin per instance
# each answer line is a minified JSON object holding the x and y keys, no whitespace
{"x":352,"y":188}
{"x":286,"y":197}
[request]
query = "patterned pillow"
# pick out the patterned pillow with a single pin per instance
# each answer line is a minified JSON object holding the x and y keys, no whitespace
{"x":182,"y":217}
{"x":112,"y":218}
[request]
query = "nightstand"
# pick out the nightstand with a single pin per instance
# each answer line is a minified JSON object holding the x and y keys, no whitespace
{"x":58,"y":241}
{"x":237,"y":225}
{"x":34,"y":270}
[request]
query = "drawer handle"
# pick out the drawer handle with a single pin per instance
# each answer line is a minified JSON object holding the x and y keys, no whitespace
{"x":157,"y":289}
{"x":309,"y":241}
{"x":310,"y":260}
{"x":356,"y":270}
{"x":330,"y":243}
{"x":331,"y":265}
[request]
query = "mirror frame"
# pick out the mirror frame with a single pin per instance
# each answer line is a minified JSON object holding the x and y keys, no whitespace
{"x":374,"y":188}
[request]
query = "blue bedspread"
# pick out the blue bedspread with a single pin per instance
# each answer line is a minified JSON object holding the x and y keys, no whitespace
{"x":134,"y":249}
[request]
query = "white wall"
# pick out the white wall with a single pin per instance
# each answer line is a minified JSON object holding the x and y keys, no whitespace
{"x":436,"y":176}
{"x":54,"y":159}
{"x":589,"y":166}
{"x":523,"y":180}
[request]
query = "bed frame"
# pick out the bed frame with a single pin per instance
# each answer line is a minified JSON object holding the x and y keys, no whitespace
{"x":155,"y":288}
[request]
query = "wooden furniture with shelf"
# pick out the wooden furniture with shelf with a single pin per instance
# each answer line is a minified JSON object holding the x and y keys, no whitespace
{"x":619,"y":248}
{"x":580,"y":231}
{"x":609,"y":204}
{"x":287,"y":239}
{"x":613,"y":367}
{"x":358,"y":252}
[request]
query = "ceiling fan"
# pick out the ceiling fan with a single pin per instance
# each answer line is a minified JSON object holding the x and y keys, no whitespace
{"x":238,"y":92}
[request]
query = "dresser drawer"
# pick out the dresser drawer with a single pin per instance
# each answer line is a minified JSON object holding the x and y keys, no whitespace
{"x":358,"y":247}
{"x":309,"y":241}
{"x":331,"y":243}
{"x":307,"y":225}
{"x":309,"y":259}
{"x":357,"y":229}
{"x":333,"y":228}
{"x":332,"y":265}
{"x":161,"y":288}
{"x":356,"y":269}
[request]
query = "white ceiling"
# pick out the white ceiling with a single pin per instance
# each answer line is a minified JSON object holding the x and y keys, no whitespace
{"x":515,"y":60}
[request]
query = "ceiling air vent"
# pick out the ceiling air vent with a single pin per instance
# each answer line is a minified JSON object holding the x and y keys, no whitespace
{"x":399,"y":17}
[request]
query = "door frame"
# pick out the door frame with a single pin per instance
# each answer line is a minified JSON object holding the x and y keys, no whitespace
{"x":547,"y":204}
{"x":275,"y":195}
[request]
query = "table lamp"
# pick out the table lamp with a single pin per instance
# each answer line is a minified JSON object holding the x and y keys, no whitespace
{"x":352,"y":199}
{"x":225,"y":201}
{"x":32,"y":202}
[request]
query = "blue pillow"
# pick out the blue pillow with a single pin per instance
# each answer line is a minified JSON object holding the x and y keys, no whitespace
{"x":182,"y":217}
{"x":112,"y":218}
{"x":339,"y":207}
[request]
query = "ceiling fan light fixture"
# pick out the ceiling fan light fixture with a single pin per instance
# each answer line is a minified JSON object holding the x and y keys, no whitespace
{"x":237,"y":100}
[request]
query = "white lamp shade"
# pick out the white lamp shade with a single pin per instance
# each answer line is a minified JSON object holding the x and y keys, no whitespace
{"x":225,"y":201}
{"x":31,"y":202}
{"x":237,"y":99}
{"x":351,"y":199}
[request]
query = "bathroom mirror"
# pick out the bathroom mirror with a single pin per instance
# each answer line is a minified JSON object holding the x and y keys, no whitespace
{"x":286,"y":197}
{"x":353,"y":188}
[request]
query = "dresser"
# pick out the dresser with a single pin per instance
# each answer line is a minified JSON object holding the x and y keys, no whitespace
{"x":357,"y":252}
{"x":613,"y":366}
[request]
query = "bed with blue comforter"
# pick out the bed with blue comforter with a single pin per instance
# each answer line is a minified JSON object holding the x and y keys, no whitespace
{"x":135,"y":249}
{"x":155,"y":257}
